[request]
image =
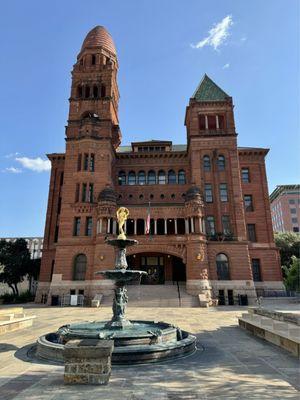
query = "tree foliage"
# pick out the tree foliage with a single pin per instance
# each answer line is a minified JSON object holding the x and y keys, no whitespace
{"x":292,"y":279}
{"x":15,"y":263}
{"x":289,"y":245}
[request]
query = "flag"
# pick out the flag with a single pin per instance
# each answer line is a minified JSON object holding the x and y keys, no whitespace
{"x":148,"y":221}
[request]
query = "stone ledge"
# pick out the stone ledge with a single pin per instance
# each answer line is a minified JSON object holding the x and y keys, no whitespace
{"x":278,"y":338}
{"x":15,"y":324}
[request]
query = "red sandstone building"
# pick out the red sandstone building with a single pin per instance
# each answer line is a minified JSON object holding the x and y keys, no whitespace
{"x":210,"y":220}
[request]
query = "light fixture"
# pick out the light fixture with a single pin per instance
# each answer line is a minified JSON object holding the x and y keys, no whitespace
{"x":101,"y":257}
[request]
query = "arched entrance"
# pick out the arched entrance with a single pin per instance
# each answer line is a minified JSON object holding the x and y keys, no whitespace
{"x":161,"y":268}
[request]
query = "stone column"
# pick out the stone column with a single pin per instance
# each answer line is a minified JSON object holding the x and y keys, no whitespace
{"x":114,"y":226}
{"x":192,"y":225}
{"x":125,"y":226}
{"x":175,"y":226}
{"x":155,"y":227}
{"x":203,"y":225}
{"x":166,"y":227}
{"x":217,"y":121}
{"x":135,"y":226}
{"x":100,"y":225}
{"x":200,"y":225}
{"x":186,"y":225}
{"x":108,"y":225}
{"x":206,"y":122}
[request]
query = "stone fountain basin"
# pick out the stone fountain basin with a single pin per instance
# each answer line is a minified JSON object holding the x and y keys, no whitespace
{"x":122,"y":275}
{"x":142,"y":341}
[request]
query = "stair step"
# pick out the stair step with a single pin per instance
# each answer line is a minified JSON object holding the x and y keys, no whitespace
{"x":156,"y":296}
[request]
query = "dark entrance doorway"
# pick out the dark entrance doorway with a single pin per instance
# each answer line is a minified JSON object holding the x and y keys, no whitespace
{"x":161,"y":268}
{"x":179,"y":272}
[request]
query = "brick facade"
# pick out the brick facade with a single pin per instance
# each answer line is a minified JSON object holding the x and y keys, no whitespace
{"x":186,"y":185}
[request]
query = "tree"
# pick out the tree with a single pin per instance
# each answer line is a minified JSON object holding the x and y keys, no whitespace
{"x":15,"y":263}
{"x":289,"y":245}
{"x":292,"y":280}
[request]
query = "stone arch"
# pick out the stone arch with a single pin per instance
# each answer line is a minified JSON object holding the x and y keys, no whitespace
{"x":179,"y":251}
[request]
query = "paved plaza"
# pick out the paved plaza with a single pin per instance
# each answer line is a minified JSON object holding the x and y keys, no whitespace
{"x":229,"y":363}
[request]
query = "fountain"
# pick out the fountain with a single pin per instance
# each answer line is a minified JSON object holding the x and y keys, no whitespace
{"x":134,"y":341}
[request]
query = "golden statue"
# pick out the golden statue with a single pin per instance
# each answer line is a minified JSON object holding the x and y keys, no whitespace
{"x":122,"y":214}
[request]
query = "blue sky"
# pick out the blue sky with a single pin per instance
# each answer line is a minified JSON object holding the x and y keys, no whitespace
{"x":164,"y":48}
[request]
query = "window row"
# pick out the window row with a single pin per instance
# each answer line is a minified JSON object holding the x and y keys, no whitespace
{"x":207,"y":165}
{"x":151,"y":196}
{"x":211,"y":122}
{"x":86,"y":162}
{"x":208,"y":192}
{"x":88,"y":227}
{"x":160,"y":226}
{"x":84,"y":193}
{"x":222,"y":267}
{"x":211,"y":226}
{"x":151,"y":177}
{"x":95,"y":59}
{"x":226,"y":228}
{"x":90,"y":91}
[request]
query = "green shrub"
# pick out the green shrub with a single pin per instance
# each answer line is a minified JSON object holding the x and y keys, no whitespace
{"x":10,"y":298}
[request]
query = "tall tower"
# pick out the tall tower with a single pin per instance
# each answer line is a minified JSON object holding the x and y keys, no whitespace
{"x":94,"y":93}
{"x":92,"y":135}
{"x":215,"y":168}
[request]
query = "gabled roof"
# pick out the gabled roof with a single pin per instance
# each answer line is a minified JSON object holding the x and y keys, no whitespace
{"x":207,"y":90}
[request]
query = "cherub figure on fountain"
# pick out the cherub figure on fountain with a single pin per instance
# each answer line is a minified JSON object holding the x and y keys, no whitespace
{"x":122,"y":214}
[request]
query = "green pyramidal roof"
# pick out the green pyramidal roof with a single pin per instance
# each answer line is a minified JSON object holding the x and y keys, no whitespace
{"x":207,"y":90}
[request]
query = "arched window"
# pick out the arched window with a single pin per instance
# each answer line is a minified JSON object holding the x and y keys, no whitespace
{"x":131,"y":178}
{"x":141,"y":178}
{"x":222,"y":267}
{"x":79,"y":267}
{"x":95,"y":91}
{"x":206,"y":163}
{"x":221,"y":163}
{"x":181,"y":177}
{"x":122,"y":178}
{"x":161,"y":177}
{"x":171,"y":176}
{"x":151,"y":178}
{"x":103,"y":91}
{"x":79,"y":91}
{"x":93,"y":59}
{"x":87,"y":92}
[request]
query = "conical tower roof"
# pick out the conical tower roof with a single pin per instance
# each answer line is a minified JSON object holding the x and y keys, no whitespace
{"x":207,"y":90}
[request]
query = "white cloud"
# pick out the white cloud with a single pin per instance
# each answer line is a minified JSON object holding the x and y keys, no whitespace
{"x":12,"y":170}
{"x":11,"y":155}
{"x":243,"y":39}
{"x":225,"y":66}
{"x":35,"y":164}
{"x":217,"y":35}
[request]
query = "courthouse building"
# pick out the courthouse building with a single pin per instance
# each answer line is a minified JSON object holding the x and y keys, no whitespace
{"x":210,"y":220}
